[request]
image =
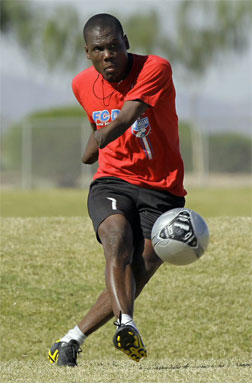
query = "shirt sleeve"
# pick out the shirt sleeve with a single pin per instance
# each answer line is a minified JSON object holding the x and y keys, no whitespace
{"x":75,"y":91}
{"x":152,"y":83}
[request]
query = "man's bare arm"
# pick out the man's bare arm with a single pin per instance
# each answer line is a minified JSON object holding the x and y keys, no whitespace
{"x":129,"y":113}
{"x":91,"y":152}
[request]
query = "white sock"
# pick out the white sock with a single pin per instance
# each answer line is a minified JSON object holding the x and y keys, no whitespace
{"x":76,"y":334}
{"x":127,"y":319}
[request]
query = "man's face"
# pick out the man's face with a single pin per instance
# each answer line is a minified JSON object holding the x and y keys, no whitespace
{"x":107,"y":49}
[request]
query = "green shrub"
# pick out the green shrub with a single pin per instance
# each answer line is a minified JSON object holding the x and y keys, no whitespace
{"x":229,"y":153}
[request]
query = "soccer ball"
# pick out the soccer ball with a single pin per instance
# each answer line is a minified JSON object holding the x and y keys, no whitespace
{"x":180,"y":236}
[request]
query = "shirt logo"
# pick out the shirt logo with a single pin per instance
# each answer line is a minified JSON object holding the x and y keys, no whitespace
{"x":141,"y":127}
{"x":104,"y":117}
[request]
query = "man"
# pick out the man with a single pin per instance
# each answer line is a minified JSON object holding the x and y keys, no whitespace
{"x":130,"y":102}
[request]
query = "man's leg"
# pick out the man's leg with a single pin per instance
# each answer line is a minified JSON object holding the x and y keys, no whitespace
{"x":116,"y":236}
{"x":144,"y":265}
{"x":117,"y":239}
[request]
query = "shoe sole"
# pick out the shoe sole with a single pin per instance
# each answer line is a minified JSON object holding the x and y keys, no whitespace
{"x":130,"y":343}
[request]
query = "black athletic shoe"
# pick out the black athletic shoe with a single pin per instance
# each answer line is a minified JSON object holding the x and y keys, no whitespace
{"x":128,"y":340}
{"x":64,"y":354}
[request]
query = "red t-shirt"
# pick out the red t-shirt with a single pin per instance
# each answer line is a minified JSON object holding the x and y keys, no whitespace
{"x":148,"y":153}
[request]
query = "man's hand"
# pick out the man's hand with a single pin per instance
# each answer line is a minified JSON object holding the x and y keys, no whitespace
{"x":129,"y":113}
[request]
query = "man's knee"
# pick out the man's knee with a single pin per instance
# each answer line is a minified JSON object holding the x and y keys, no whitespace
{"x":116,"y":237}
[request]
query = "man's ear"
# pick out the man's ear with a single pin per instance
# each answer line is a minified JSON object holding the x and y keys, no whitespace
{"x":87,"y":53}
{"x":126,"y":41}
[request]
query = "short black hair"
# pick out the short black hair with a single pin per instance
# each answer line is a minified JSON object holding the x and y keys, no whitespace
{"x":102,"y":20}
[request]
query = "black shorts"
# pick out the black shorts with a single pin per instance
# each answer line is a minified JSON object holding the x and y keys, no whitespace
{"x":110,"y":195}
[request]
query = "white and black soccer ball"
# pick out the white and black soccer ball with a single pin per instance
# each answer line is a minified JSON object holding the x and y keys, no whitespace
{"x":180,"y":236}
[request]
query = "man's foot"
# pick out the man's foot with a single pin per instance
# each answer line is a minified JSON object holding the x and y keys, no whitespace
{"x":128,"y":340}
{"x":64,"y":354}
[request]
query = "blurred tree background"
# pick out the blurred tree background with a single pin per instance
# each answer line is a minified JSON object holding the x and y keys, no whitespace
{"x":54,"y":38}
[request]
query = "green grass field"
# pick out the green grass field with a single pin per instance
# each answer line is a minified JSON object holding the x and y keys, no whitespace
{"x":195,"y":320}
{"x":71,"y":202}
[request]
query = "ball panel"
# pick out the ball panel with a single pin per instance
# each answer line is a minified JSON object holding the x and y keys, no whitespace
{"x":179,"y":253}
{"x":201,"y":231}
